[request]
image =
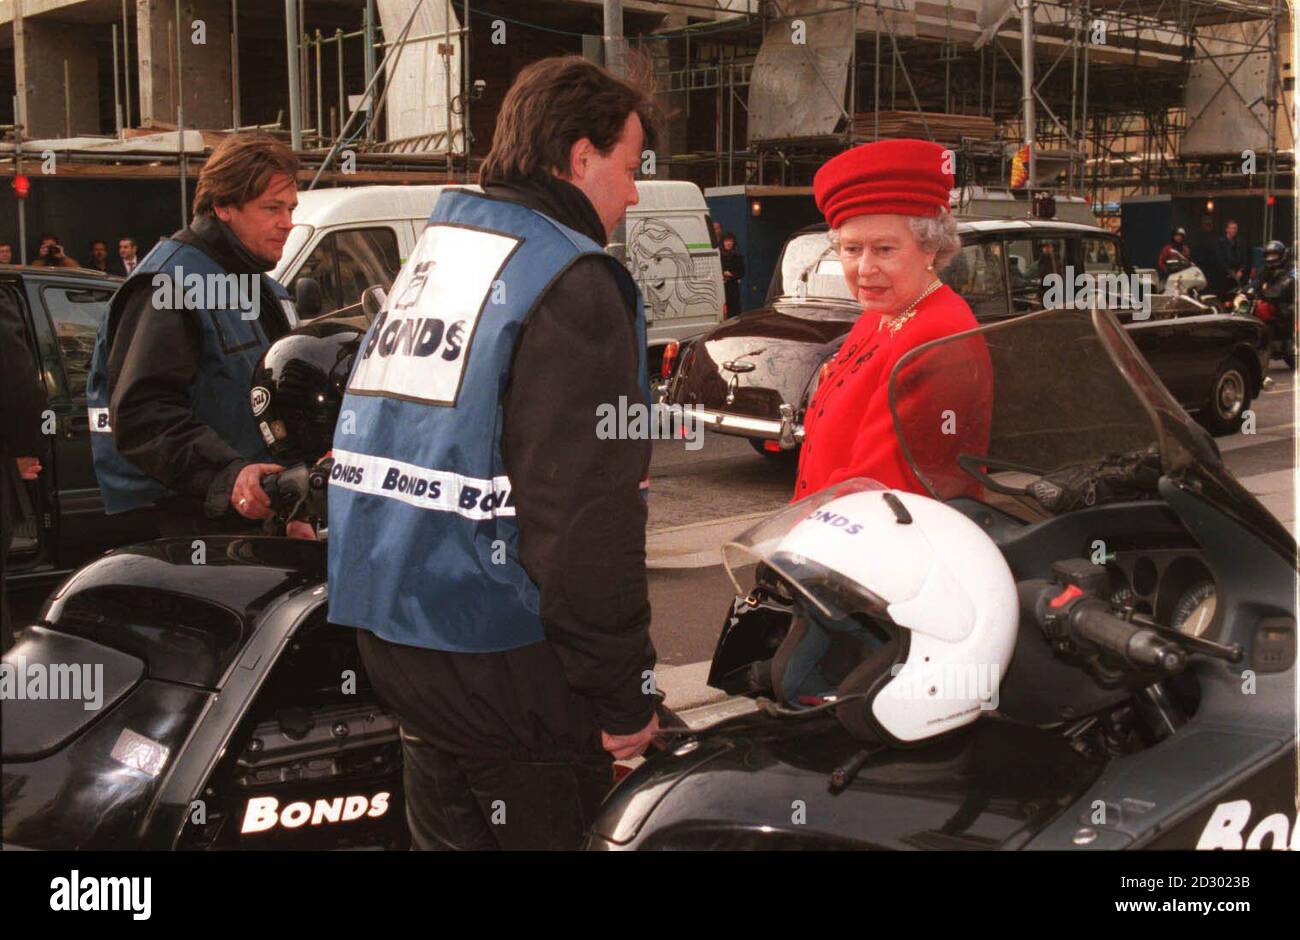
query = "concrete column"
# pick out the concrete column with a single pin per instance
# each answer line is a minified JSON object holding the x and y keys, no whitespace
{"x":205,"y":73}
{"x":671,"y":54}
{"x":40,"y":48}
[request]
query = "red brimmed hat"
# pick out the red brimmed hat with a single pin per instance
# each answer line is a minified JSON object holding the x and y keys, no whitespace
{"x":890,"y":177}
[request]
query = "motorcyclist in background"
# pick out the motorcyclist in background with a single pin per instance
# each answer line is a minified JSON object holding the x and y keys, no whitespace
{"x":1275,"y":283}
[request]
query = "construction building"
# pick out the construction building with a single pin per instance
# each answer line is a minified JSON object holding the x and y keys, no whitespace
{"x":1119,"y":100}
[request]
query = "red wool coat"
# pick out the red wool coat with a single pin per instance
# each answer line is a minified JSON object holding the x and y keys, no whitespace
{"x":945,"y":403}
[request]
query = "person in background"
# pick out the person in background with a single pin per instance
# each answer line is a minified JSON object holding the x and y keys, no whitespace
{"x":1177,"y":249}
{"x":1230,"y":252}
{"x":717,"y":233}
{"x":733,"y":269}
{"x":1047,"y":263}
{"x":51,"y":254}
{"x":22,"y":445}
{"x":6,"y":253}
{"x":99,"y":256}
{"x":126,"y":256}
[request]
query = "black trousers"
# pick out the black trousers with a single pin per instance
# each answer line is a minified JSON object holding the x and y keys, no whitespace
{"x":485,"y":804}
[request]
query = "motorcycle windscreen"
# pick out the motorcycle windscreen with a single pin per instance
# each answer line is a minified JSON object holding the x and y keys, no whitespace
{"x":983,"y":413}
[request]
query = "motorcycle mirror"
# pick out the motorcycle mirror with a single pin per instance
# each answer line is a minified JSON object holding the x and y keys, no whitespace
{"x":373,"y":300}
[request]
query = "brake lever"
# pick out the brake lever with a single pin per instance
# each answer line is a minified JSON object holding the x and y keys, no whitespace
{"x":1233,"y":653}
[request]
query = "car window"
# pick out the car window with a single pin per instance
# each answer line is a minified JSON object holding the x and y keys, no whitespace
{"x":76,"y":313}
{"x":1101,"y":256}
{"x":810,"y":268}
{"x":321,"y":266}
{"x":977,"y":273}
{"x":1029,"y":261}
{"x":367,"y":256}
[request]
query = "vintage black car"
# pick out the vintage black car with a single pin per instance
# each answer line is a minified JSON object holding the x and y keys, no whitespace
{"x":64,"y":522}
{"x":753,"y":375}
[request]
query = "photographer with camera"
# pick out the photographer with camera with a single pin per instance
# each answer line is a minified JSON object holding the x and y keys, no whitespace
{"x":51,"y":254}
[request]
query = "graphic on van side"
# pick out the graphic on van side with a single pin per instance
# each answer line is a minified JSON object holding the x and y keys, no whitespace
{"x":662,"y":265}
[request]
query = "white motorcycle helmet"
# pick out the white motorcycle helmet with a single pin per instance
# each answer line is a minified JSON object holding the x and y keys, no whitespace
{"x":905,"y":611}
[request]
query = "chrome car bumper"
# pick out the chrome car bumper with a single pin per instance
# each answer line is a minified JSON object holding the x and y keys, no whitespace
{"x":786,"y":432}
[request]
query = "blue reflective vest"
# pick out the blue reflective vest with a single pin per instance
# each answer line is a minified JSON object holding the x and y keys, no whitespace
{"x":232,"y":346}
{"x":423,"y":542}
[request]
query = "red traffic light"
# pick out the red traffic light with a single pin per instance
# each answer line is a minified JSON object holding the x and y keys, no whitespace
{"x":22,"y":186}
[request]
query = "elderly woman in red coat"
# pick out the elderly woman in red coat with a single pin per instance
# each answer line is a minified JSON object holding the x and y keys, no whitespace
{"x":887,"y":206}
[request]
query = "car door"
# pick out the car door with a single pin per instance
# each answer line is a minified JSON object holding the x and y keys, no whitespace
{"x":31,"y":544}
{"x":68,"y":312}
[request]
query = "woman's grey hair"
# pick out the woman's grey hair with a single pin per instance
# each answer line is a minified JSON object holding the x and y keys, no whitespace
{"x":938,"y":234}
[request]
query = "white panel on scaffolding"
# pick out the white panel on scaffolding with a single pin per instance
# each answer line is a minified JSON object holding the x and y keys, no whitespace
{"x":1228,"y":116}
{"x":797,"y":89}
{"x":417,"y":97}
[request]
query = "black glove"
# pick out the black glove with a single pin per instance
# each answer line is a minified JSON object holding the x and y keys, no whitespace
{"x":1114,"y":479}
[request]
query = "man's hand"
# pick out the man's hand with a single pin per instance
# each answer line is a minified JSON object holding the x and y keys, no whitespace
{"x":627,"y":746}
{"x":247,"y":498}
{"x":297,"y":529}
{"x":29,"y":467}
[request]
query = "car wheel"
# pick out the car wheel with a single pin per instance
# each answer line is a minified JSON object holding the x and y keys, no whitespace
{"x":785,"y":456}
{"x":1229,"y":398}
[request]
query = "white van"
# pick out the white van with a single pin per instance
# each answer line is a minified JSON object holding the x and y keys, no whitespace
{"x":346,"y":239}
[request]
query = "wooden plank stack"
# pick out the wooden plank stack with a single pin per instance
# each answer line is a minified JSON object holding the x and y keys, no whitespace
{"x":945,"y":128}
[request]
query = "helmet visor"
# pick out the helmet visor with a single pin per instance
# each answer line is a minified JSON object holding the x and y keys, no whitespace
{"x":832,"y":594}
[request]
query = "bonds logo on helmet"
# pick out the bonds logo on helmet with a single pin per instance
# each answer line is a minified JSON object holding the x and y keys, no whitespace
{"x":260,"y":398}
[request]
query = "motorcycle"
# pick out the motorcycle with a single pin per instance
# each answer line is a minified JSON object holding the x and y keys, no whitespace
{"x":1274,"y":305}
{"x":1185,"y":279}
{"x":1160,"y":714}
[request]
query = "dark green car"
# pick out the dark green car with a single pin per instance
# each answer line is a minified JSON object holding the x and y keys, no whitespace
{"x":64,"y":522}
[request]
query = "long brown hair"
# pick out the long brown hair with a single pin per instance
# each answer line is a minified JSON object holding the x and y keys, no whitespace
{"x":240,"y":169}
{"x":554,"y":103}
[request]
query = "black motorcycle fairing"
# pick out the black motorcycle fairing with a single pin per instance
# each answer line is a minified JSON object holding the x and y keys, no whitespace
{"x":82,"y":795}
{"x":184,"y":606}
{"x":250,"y":608}
{"x":306,"y":740}
{"x":31,"y":728}
{"x":757,"y":782}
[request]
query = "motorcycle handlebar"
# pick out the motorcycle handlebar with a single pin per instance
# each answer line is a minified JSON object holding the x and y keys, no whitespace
{"x":1093,"y":622}
{"x":271,"y":487}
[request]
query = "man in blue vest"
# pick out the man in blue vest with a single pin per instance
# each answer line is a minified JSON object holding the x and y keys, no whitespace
{"x":490,"y":546}
{"x":168,"y":393}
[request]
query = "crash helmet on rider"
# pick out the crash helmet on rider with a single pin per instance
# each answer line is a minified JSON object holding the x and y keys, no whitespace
{"x":906,"y":612}
{"x":1275,"y":254}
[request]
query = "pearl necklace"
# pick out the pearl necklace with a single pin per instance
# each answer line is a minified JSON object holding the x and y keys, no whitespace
{"x":898,"y":322}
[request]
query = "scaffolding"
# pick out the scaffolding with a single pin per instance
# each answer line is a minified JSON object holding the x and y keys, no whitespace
{"x":1108,"y":117}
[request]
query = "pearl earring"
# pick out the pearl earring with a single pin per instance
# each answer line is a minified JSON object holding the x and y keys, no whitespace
{"x":929,"y":267}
